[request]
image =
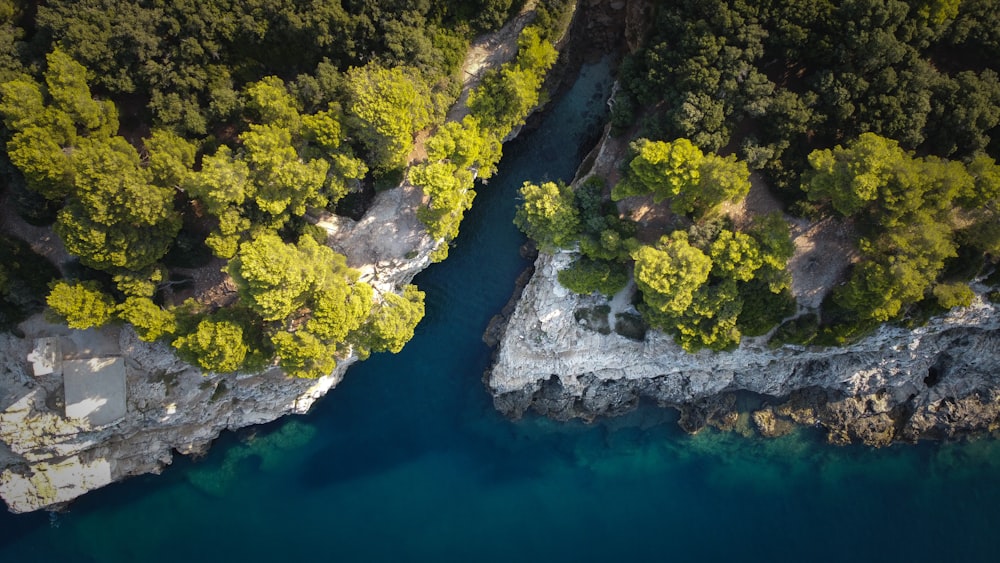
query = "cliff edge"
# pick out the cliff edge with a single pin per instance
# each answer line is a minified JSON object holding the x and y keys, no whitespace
{"x":564,"y":355}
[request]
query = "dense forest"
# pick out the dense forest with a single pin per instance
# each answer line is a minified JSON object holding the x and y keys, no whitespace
{"x":160,"y":137}
{"x":881,"y":115}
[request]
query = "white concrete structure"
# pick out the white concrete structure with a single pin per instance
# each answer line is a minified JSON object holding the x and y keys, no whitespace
{"x":95,"y":390}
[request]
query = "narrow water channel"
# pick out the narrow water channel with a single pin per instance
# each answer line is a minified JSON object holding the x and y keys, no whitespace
{"x":407,"y":461}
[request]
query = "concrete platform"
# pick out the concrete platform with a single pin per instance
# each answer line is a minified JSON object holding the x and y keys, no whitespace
{"x":95,"y":390}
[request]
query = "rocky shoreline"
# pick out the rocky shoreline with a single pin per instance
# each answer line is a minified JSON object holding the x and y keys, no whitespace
{"x":935,"y":382}
{"x":47,"y":459}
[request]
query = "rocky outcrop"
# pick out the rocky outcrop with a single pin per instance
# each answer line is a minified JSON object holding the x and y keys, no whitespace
{"x":937,"y":381}
{"x":47,"y":459}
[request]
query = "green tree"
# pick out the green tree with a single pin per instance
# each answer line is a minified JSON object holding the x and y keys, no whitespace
{"x":38,"y":154}
{"x":720,"y":179}
{"x":216,"y":345}
{"x":507,"y":95}
{"x":222,"y":182}
{"x":663,"y":169}
{"x":284,"y":183}
{"x":302,"y":354}
{"x":339,"y":309}
{"x":118,"y":247}
{"x":585,"y":276}
{"x":951,"y":295}
{"x":271,"y":276}
{"x":269,"y":103}
{"x":171,"y":158}
{"x":81,"y":304}
{"x":389,"y":106}
{"x":151,"y":322}
{"x":711,"y":320}
{"x":548,"y":215}
{"x":450,"y":193}
{"x":773,"y":236}
{"x":850,"y":178}
{"x":900,"y":267}
{"x":669,"y":273}
{"x":735,"y":255}
{"x":392,"y":322}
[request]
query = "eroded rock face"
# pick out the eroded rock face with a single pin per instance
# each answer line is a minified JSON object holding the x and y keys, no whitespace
{"x":938,"y":381}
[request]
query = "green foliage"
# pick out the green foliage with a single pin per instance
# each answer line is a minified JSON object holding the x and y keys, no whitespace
{"x":922,"y":72}
{"x":937,"y":11}
{"x":191,"y":57}
{"x":506,"y":96}
{"x":389,"y":105}
{"x":222,"y":182}
{"x":669,"y":273}
{"x":460,"y":152}
{"x":339,"y":309}
{"x":661,"y":169}
{"x":216,"y":346}
{"x":151,"y":322}
{"x":548,"y":215}
{"x":392,"y":322}
{"x":585,"y":276}
{"x":901,"y":266}
{"x":450,"y":193}
{"x":762,"y":308}
{"x":171,"y":158}
{"x":950,"y":295}
{"x":694,"y":182}
{"x":850,"y":178}
{"x":82,"y":304}
{"x":302,"y":354}
{"x":285,"y":185}
{"x":773,"y":235}
{"x":115,"y":217}
{"x":735,"y":255}
{"x":913,"y":200}
{"x":710,"y":285}
{"x":139,"y":284}
{"x":251,"y":120}
{"x":466,"y":145}
{"x":721,"y":179}
{"x":276,"y":279}
{"x":801,"y":331}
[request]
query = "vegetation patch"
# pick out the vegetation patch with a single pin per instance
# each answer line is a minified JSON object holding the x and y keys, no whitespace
{"x":631,"y":326}
{"x":594,"y":318}
{"x":24,"y":277}
{"x":800,"y":331}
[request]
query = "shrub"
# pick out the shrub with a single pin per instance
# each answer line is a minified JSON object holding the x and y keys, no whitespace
{"x":585,"y":276}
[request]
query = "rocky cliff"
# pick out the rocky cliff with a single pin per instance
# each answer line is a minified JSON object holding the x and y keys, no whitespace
{"x":562,"y":355}
{"x":47,"y":459}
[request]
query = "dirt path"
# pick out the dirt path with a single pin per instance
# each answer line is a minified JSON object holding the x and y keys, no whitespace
{"x":486,"y":52}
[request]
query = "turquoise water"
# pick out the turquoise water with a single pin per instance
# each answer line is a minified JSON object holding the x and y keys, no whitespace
{"x":407,"y":461}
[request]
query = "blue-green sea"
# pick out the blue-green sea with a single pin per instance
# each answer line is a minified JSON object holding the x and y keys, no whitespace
{"x":407,"y":461}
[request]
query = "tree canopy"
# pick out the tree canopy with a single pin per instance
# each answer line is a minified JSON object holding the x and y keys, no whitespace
{"x":694,"y":182}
